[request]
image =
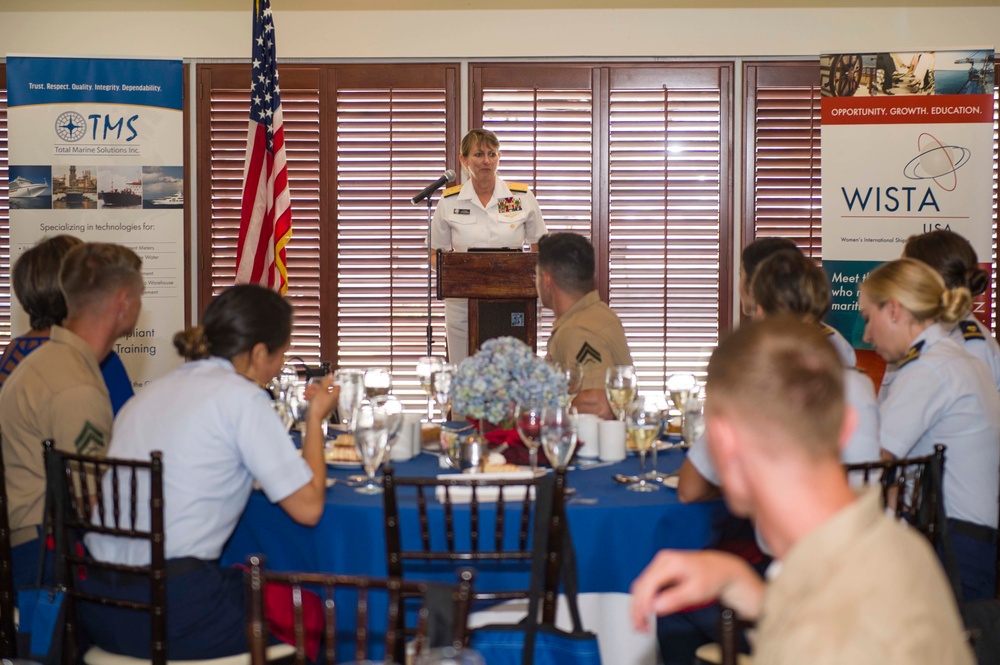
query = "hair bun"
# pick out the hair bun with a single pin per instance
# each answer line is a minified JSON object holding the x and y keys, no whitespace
{"x":192,"y":343}
{"x":977,"y":279}
{"x":955,"y":304}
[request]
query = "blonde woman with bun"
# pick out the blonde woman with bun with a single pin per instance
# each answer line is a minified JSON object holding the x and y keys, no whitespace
{"x":939,"y":393}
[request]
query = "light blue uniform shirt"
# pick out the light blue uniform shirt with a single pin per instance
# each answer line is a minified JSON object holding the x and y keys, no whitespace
{"x":986,"y":349}
{"x":218,"y":433}
{"x":945,"y":395}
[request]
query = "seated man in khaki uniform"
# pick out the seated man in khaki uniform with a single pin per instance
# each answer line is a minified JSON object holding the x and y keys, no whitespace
{"x":854,"y":586}
{"x":58,"y":391}
{"x":586,"y":331}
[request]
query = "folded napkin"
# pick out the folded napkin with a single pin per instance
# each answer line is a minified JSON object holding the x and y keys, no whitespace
{"x":463,"y":493}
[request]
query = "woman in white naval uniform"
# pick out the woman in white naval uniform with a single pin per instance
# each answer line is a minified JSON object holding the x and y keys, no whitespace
{"x":939,"y":394}
{"x":483,"y":212}
{"x":955,"y":260}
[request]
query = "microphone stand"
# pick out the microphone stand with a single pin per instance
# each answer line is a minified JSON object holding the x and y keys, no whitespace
{"x":430,"y":330}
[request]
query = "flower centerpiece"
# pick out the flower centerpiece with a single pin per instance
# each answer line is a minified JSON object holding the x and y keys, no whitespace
{"x":503,"y":373}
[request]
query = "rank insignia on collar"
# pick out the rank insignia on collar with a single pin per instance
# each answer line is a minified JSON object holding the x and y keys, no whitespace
{"x":509,"y":204}
{"x":911,"y":355}
{"x":587,"y":354}
{"x":970,"y":330}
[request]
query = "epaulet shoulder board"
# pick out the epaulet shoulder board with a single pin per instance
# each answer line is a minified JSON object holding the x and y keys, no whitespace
{"x":970,"y":330}
{"x":518,"y":187}
{"x":911,"y":355}
{"x":451,"y":191}
{"x":828,"y":330}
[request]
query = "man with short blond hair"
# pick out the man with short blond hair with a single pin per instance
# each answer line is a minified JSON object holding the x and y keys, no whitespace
{"x":58,"y":392}
{"x":853,"y":586}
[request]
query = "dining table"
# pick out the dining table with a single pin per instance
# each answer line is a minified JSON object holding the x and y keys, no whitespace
{"x":615,"y":533}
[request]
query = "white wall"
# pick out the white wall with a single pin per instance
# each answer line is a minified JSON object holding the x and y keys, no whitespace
{"x":463,"y":33}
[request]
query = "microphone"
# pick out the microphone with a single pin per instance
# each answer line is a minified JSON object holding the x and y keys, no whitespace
{"x":447,"y":176}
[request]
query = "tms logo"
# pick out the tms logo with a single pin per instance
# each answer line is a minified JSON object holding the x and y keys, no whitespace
{"x":72,"y":126}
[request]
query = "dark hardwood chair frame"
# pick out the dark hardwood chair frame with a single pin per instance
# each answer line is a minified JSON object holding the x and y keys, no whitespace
{"x":483,"y":547}
{"x":397,"y":591}
{"x":910,"y":485}
{"x":75,"y":489}
{"x":8,"y":595}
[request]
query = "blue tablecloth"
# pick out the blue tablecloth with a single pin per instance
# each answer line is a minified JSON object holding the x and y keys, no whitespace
{"x":615,"y":531}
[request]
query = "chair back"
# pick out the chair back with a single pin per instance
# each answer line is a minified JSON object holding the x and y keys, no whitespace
{"x":80,"y":504}
{"x":496,"y":514}
{"x":365,"y":590}
{"x":911,"y":487}
{"x":8,"y":595}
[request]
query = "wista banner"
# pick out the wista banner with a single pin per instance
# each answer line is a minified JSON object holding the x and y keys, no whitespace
{"x":96,"y":150}
{"x":907,"y":147}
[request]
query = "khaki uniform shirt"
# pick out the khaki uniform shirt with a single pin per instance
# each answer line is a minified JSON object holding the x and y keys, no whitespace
{"x":862,"y":589}
{"x":591,"y":334}
{"x":56,"y":393}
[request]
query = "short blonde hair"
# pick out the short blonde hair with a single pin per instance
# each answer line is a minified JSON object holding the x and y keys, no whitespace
{"x":483,"y":137}
{"x":919,"y":289}
{"x":783,"y":374}
{"x":94,"y":270}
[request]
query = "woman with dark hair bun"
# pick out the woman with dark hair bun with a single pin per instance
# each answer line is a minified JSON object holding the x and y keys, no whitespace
{"x":955,"y":260}
{"x":219,"y":435}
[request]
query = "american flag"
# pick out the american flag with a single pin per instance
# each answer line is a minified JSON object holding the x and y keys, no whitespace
{"x":265,"y":213}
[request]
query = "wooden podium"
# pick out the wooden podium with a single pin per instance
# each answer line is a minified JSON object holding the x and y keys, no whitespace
{"x":500,"y":287}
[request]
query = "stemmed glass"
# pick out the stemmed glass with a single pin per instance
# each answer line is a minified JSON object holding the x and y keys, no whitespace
{"x":370,"y":427}
{"x":426,"y":368}
{"x":377,"y":382}
{"x":352,"y":391}
{"x":642,"y":425}
{"x":528,"y":421}
{"x":394,"y":415}
{"x":682,"y":387}
{"x":450,"y":656}
{"x":573,"y":373}
{"x":620,"y":385}
{"x":559,"y":431}
{"x":441,"y":387}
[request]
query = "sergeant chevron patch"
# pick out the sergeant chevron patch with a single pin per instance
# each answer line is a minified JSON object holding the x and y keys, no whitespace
{"x":90,"y":439}
{"x":588,"y":354}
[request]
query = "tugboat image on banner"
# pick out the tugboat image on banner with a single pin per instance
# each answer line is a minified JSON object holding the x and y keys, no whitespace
{"x":130,"y":195}
{"x":22,"y":188}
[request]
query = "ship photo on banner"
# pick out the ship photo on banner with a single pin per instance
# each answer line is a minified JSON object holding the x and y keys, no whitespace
{"x":96,"y":150}
{"x":907,"y":147}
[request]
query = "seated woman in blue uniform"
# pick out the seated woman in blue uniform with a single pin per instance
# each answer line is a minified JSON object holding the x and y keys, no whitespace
{"x":939,"y":393}
{"x":218,"y":434}
{"x":955,"y":260}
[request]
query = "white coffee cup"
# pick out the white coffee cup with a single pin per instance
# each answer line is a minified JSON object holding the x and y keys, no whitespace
{"x":588,"y":439}
{"x":611,"y":434}
{"x":402,"y":447}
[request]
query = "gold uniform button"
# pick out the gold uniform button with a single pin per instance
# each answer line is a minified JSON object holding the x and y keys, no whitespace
{"x":511,"y":226}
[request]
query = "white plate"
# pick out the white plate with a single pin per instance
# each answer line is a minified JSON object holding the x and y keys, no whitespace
{"x":344,"y":465}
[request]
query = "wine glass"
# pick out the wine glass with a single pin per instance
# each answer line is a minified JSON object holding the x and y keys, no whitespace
{"x":377,"y":382}
{"x":394,"y":415}
{"x":441,"y":382}
{"x":642,"y":425}
{"x":352,"y":391}
{"x":681,"y":388}
{"x":426,"y":368}
{"x":573,"y":373}
{"x":620,"y":385}
{"x":370,"y":427}
{"x":528,"y":421}
{"x":450,"y":656}
{"x":559,"y":431}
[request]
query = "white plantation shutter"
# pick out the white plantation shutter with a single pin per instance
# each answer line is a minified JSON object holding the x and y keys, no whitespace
{"x":395,"y":133}
{"x":637,"y":158}
{"x":224,"y":103}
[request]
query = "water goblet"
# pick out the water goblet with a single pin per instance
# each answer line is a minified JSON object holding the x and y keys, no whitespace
{"x":394,"y":415}
{"x":642,"y":426}
{"x":377,"y":382}
{"x":352,"y":391}
{"x":426,"y":368}
{"x":370,"y":427}
{"x":573,"y":374}
{"x":620,"y":386}
{"x":450,"y":656}
{"x":441,"y":382}
{"x":681,"y":388}
{"x":559,"y":432}
{"x":528,"y":422}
